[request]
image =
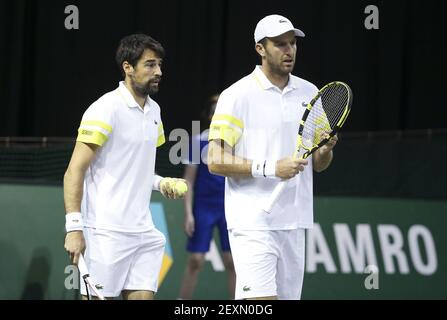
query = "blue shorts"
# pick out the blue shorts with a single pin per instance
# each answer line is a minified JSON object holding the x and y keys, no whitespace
{"x":206,"y":216}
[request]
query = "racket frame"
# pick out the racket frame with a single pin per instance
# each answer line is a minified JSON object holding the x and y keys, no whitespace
{"x":334,"y":131}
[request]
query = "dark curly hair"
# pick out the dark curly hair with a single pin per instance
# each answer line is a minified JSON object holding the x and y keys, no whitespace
{"x":131,"y":49}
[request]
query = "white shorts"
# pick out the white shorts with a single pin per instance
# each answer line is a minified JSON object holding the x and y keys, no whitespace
{"x":268,"y":263}
{"x":123,"y":261}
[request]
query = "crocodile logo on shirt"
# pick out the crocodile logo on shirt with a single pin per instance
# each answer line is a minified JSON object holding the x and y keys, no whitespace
{"x":87,"y":132}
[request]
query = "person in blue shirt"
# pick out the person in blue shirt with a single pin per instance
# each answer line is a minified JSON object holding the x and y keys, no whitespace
{"x":204,"y":210}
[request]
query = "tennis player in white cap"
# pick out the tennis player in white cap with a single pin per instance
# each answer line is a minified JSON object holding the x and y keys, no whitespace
{"x":252,"y":137}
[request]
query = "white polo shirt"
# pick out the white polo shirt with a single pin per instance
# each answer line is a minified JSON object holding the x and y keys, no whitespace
{"x":261,"y":122}
{"x":118,"y":183}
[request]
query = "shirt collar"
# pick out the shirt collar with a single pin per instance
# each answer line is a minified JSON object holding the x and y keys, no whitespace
{"x":128,"y":98}
{"x":265,"y":83}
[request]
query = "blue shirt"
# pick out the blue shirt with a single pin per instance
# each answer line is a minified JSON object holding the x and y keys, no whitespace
{"x":208,"y":188}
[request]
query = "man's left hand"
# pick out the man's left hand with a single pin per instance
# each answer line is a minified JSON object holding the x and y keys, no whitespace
{"x":173,"y":188}
{"x":329,"y":145}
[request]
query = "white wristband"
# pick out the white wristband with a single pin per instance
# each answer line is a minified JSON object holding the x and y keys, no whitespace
{"x":270,"y":169}
{"x":263,"y":169}
{"x":257,"y":168}
{"x":73,"y":222}
{"x":156,"y":184}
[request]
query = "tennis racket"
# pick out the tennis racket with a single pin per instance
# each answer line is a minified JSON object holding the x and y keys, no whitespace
{"x":324,"y":116}
{"x":83,"y":271}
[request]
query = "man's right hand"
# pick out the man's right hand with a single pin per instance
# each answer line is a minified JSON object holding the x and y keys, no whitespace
{"x":74,"y":245}
{"x":288,"y":168}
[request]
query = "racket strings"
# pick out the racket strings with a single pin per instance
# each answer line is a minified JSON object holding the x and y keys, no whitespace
{"x":325,"y":114}
{"x":317,"y":122}
{"x":334,"y":102}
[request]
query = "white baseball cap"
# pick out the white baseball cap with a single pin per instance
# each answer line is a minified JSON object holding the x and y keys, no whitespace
{"x":273,"y":26}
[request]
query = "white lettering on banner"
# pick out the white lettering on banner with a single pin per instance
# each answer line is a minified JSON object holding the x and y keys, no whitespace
{"x":317,"y":251}
{"x":72,"y":280}
{"x":432,"y":261}
{"x":213,"y":256}
{"x":348,"y":251}
{"x":372,"y":281}
{"x":391,"y":244}
{"x":355,"y":255}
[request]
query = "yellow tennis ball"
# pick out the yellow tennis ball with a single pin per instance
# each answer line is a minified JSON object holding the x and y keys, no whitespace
{"x":166,"y":182}
{"x":181,"y":187}
{"x":170,"y":182}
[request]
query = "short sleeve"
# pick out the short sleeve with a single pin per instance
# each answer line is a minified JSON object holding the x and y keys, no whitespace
{"x":161,"y":135}
{"x":227,"y":123}
{"x":96,"y":124}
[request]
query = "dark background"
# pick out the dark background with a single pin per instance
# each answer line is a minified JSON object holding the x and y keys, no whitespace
{"x":50,"y":75}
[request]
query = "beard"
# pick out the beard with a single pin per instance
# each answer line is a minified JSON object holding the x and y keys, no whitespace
{"x":145,"y":89}
{"x":277,"y":69}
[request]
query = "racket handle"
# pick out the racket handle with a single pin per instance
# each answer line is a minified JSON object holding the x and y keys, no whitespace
{"x":274,"y":196}
{"x":82,"y":266}
{"x":86,"y":277}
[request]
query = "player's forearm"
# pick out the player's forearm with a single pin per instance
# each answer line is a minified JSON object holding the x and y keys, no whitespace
{"x":188,"y":201}
{"x":73,"y":190}
{"x":322,"y":160}
{"x":229,"y":169}
{"x":223,"y":163}
{"x":189,"y":175}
